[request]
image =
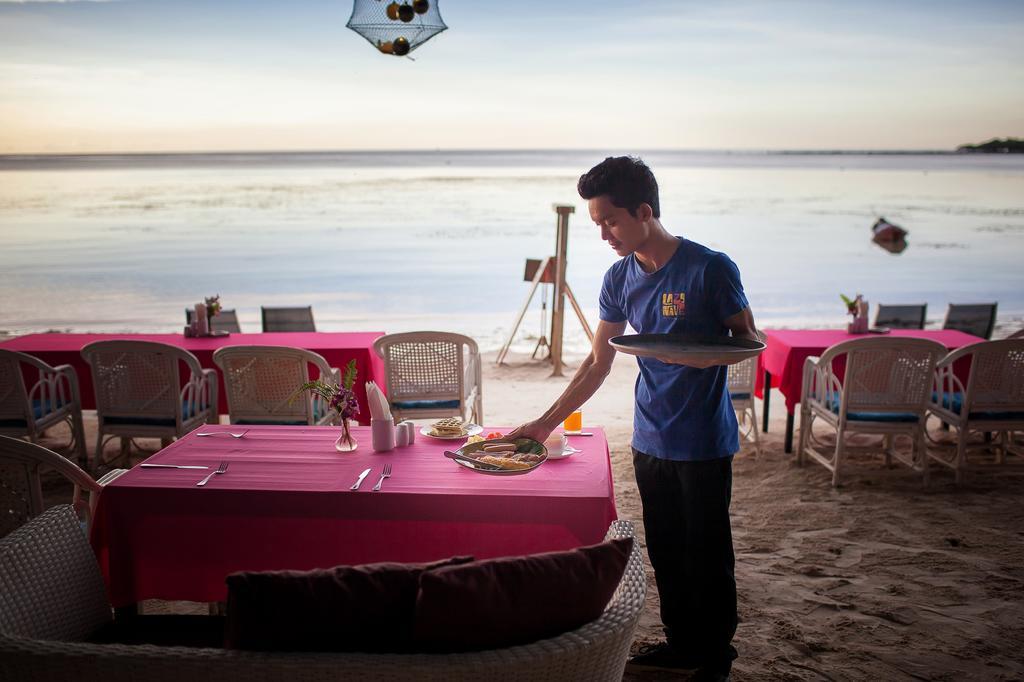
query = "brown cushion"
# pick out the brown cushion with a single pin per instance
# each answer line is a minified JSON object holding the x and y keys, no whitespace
{"x":346,"y":608}
{"x":515,"y":600}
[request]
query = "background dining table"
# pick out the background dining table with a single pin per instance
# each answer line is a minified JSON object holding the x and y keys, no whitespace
{"x":781,"y":365}
{"x":336,"y":347}
{"x":285,"y":502}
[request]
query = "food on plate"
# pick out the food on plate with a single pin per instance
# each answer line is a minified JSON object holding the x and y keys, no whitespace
{"x":495,"y":435}
{"x":447,"y":427}
{"x":474,"y":439}
{"x":505,"y":462}
{"x":500,"y":447}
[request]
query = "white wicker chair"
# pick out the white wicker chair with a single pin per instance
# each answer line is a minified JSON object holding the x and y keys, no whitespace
{"x":991,"y":402}
{"x":21,"y":492}
{"x":432,"y":374}
{"x":52,"y":399}
{"x":885,"y":391}
{"x":53,"y":597}
{"x":261,"y":381}
{"x":742,"y":377}
{"x":288,"y":319}
{"x":138,"y":395}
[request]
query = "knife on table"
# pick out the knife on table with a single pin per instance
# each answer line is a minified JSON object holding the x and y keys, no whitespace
{"x":359,"y":480}
{"x":172,"y":466}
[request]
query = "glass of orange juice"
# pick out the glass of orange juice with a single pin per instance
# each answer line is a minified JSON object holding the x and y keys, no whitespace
{"x":574,"y":422}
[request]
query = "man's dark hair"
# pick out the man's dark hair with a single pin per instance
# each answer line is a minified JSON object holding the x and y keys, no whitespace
{"x":625,"y":180}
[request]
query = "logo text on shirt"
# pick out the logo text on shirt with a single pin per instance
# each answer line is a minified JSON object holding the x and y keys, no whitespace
{"x":673,"y":305}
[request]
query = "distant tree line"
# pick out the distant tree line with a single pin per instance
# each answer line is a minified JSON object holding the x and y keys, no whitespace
{"x":1007,"y":145}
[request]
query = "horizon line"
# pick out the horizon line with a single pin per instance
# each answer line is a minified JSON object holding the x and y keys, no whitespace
{"x":463,"y":150}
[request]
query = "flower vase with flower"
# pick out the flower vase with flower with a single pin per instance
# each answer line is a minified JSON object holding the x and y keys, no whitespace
{"x":341,"y":399}
{"x":858,"y":308}
{"x":212,"y":310}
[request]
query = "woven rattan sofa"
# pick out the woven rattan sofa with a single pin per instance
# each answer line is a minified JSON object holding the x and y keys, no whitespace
{"x":52,"y":596}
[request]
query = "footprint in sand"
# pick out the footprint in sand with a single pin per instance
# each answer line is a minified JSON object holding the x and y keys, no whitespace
{"x":851,"y":556}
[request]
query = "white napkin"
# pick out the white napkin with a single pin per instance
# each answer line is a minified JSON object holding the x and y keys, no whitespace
{"x":379,"y":408}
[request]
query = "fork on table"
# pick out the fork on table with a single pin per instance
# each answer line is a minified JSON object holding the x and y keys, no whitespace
{"x":386,"y":473}
{"x":219,"y":470}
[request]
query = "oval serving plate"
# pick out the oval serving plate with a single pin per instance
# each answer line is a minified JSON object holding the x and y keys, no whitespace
{"x":470,"y":430}
{"x":723,"y":350}
{"x":522,"y":445}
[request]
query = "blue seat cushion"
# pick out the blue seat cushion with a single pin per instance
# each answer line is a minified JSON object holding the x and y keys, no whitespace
{"x":318,"y":412}
{"x":426,"y":404}
{"x":151,"y":421}
{"x":740,"y":396}
{"x":955,"y":402}
{"x":40,"y":408}
{"x":832,"y":402}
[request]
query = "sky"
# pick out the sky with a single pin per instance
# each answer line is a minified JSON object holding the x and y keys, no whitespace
{"x":82,"y":76}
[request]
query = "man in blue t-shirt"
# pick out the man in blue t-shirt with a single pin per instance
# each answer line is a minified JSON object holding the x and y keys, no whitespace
{"x":684,"y":426}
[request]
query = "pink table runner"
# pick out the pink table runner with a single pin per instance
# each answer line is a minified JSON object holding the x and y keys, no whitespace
{"x":285,"y":503}
{"x":788,"y":348}
{"x":336,"y":347}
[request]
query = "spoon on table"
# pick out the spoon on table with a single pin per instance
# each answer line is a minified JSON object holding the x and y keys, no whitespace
{"x":223,"y":433}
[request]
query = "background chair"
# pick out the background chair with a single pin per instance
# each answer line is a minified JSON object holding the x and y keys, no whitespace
{"x":21,"y":490}
{"x":261,"y":381}
{"x":901,"y":316}
{"x":54,"y":600}
{"x":52,"y":399}
{"x":742,"y":376}
{"x":148,"y":390}
{"x":432,"y":374}
{"x":288,"y":319}
{"x":225,"y":321}
{"x":885,"y":391}
{"x":991,"y":402}
{"x":974,"y":318}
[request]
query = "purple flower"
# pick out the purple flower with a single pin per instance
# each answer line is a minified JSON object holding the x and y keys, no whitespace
{"x":344,"y":403}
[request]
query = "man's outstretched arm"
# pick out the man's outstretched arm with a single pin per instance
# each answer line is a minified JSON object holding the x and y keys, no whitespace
{"x":587,"y":380}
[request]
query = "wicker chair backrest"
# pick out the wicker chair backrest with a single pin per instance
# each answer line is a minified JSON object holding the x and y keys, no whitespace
{"x":901,"y":316}
{"x":261,"y":381}
{"x":50,"y":584}
{"x":138,"y":378}
{"x":887,"y":374}
{"x":996,"y":383}
{"x":978,"y":319}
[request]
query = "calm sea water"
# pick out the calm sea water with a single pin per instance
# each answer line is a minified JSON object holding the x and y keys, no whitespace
{"x":402,"y":241}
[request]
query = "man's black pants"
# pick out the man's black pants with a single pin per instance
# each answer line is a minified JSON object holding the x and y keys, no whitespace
{"x":689,"y":542}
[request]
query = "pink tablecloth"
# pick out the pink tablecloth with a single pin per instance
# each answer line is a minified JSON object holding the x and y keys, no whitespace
{"x":788,"y":348}
{"x":336,"y":347}
{"x":285,"y":503}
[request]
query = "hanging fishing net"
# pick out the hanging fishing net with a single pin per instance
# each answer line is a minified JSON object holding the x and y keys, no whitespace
{"x":396,"y":27}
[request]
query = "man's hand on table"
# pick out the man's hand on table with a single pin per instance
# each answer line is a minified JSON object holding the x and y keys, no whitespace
{"x":537,"y":430}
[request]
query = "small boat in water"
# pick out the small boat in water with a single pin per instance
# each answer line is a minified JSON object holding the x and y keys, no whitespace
{"x":884,"y":231}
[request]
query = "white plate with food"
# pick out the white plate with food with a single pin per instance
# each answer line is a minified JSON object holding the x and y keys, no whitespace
{"x":724,"y":350}
{"x":451,"y":428}
{"x":504,"y":457}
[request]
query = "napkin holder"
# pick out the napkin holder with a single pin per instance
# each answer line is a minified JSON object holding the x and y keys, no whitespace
{"x":382,"y":434}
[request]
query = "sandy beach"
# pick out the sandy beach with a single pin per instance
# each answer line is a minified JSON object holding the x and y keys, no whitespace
{"x":878,"y":579}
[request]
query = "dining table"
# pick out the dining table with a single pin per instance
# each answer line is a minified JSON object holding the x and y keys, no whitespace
{"x":285,"y":501}
{"x":781,"y":365}
{"x":338,"y":348}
